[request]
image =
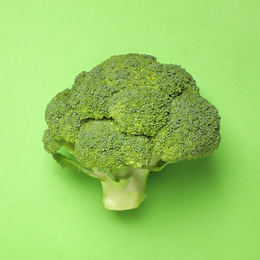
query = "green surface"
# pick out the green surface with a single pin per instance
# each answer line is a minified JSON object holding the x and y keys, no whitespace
{"x":202,"y":209}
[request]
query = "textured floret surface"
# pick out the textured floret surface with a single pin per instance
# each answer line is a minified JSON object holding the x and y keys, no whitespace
{"x":129,"y":107}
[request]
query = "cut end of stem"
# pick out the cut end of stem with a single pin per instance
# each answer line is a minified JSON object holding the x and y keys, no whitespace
{"x":127,"y":201}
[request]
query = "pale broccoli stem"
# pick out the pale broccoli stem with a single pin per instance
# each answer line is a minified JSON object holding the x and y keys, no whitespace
{"x":125,"y":194}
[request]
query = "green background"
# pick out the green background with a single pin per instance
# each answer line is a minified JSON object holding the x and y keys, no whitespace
{"x":202,"y":209}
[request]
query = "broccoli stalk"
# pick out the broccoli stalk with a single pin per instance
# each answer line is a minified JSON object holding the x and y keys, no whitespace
{"x":130,"y":192}
{"x":125,"y":194}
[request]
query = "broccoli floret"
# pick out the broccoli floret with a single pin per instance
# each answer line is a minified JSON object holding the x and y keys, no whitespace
{"x":100,"y":143}
{"x":51,"y":145}
{"x":56,"y":110}
{"x":127,"y":117}
{"x":192,"y":130}
{"x":90,"y":97}
{"x":129,"y":109}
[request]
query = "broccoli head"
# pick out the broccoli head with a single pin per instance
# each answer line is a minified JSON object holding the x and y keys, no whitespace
{"x":127,"y":117}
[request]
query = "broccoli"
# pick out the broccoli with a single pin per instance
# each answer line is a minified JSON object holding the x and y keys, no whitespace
{"x":127,"y":117}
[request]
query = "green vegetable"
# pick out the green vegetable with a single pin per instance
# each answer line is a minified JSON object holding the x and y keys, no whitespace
{"x":127,"y":117}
